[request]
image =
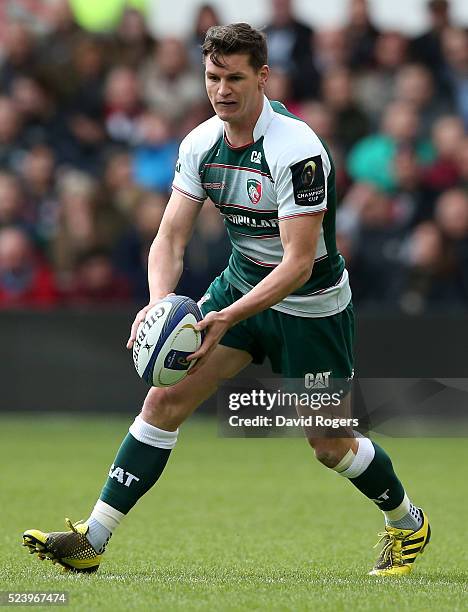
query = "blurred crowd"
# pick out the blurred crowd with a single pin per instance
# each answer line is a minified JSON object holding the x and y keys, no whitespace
{"x":90,"y":126}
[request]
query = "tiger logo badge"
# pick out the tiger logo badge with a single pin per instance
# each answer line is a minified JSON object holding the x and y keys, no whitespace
{"x":254,"y":189}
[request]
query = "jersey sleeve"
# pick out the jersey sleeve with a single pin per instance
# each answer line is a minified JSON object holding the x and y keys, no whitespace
{"x":301,"y":182}
{"x":186,"y":178}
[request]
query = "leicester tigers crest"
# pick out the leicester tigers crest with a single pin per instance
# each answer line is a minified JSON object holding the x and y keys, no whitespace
{"x":254,"y":189}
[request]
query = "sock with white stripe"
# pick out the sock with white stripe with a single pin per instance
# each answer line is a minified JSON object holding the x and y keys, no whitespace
{"x":139,"y":463}
{"x":371,"y":471}
{"x":405,"y":516}
{"x":103,"y":521}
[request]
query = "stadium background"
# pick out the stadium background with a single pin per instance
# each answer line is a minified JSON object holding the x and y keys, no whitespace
{"x":94,"y":100}
{"x":93,"y":105}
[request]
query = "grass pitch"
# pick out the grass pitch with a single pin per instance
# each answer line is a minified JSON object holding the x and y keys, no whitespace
{"x":251,"y":524}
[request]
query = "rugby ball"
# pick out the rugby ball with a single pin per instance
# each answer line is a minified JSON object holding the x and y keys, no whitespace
{"x":165,"y":339}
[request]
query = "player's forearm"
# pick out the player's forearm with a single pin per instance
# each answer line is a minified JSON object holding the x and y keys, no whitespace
{"x":165,"y":266}
{"x":288,"y":276}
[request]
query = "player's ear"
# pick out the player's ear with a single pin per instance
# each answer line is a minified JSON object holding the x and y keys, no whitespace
{"x":263,"y":75}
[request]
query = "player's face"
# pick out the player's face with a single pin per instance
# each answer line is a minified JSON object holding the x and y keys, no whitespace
{"x":235,"y":90}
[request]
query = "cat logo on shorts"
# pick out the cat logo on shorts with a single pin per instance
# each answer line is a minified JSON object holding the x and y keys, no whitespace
{"x":254,"y":189}
{"x":319,"y":380}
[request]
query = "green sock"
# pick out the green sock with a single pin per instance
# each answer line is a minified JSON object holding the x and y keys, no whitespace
{"x":139,"y":463}
{"x":371,"y":471}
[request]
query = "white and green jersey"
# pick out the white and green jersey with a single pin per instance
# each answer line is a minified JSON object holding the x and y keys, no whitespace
{"x":286,"y":172}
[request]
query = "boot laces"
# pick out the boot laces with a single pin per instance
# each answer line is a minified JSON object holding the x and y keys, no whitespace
{"x":391,"y":551}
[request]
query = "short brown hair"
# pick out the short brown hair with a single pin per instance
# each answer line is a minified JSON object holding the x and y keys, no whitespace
{"x":235,"y":38}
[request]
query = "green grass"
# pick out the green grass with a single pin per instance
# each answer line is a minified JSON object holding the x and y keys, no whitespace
{"x":233,"y":524}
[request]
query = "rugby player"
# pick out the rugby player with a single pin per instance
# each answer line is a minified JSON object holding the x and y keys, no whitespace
{"x":285,"y":295}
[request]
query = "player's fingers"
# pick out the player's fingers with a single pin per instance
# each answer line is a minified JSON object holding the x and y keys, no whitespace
{"x":201,"y":356}
{"x":131,"y":339}
{"x":138,"y":319}
{"x":197,"y":355}
{"x":204,"y":350}
{"x":203,"y":324}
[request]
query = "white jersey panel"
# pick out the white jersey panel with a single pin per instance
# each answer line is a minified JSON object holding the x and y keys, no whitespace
{"x":299,"y":166}
{"x":191,"y":152}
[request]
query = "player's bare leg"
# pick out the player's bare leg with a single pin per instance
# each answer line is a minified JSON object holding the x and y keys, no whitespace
{"x":139,"y":463}
{"x":168,"y":408}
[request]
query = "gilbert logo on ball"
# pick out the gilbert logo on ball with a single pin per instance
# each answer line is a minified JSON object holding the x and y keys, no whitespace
{"x":165,"y":339}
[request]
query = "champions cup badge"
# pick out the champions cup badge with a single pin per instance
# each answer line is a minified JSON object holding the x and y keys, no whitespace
{"x":308,"y":174}
{"x":308,"y":179}
{"x":254,"y":189}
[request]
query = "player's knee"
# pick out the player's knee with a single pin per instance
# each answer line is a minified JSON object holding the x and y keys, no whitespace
{"x":328,"y":452}
{"x":164,"y":408}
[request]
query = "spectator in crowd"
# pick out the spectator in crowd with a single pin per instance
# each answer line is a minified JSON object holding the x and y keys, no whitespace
{"x":118,"y":187}
{"x":372,"y":159}
{"x":123,"y":105}
{"x":427,"y":48}
{"x":85,"y":103}
{"x":131,"y":253}
{"x":410,"y":199}
{"x":320,"y":118}
{"x":451,"y":215}
{"x":32,"y":13}
{"x":205,"y":18}
{"x":155,"y":152}
{"x":288,"y":38}
{"x":374,"y":230}
{"x":429,"y":280}
{"x":414,"y":84}
{"x":43,"y":121}
{"x":330,"y":49}
{"x":42,"y":206}
{"x":443,"y":173}
{"x":289,"y":46}
{"x":168,"y":76}
{"x":11,"y":145}
{"x":12,"y":202}
{"x":375,"y":86}
{"x":56,"y":49}
{"x":86,"y":78}
{"x":131,"y":44}
{"x":95,"y":281}
{"x":76,"y":232}
{"x":461,"y":157}
{"x":361,"y":35}
{"x":279,"y":87}
{"x":25,"y":280}
{"x":455,"y":69}
{"x":18,"y":55}
{"x":351,"y":123}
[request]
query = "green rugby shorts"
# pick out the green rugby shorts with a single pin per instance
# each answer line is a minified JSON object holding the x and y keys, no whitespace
{"x":295,"y":345}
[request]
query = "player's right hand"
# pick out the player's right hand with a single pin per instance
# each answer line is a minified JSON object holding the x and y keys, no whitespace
{"x":140,"y":317}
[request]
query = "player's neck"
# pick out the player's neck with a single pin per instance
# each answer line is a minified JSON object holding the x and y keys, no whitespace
{"x":240,"y":134}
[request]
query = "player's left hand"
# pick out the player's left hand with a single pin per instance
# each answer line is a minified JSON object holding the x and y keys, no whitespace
{"x":215,"y":325}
